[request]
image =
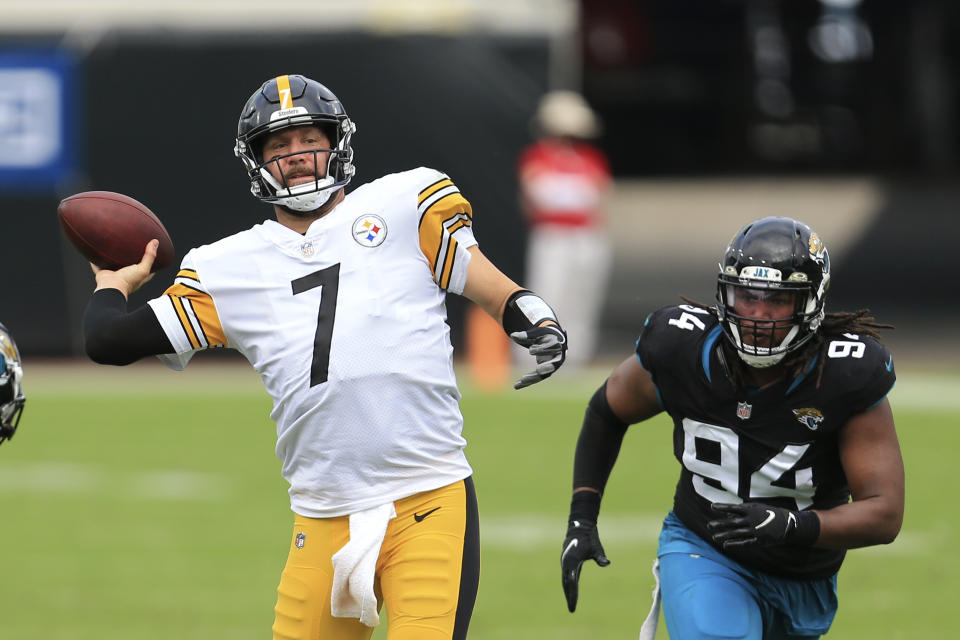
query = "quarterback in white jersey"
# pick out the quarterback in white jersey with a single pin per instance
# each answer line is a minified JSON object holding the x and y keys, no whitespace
{"x":363,"y":271}
{"x":339,"y":305}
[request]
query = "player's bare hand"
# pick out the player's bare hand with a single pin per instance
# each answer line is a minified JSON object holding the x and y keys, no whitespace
{"x":548,"y":344}
{"x":130,"y":278}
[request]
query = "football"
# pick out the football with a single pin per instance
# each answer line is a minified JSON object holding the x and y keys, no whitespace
{"x":111,"y":230}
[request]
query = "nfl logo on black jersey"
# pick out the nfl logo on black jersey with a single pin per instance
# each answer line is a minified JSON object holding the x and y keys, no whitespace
{"x":743,"y":410}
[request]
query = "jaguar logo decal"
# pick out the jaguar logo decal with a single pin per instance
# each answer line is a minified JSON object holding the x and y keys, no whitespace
{"x":809,"y":417}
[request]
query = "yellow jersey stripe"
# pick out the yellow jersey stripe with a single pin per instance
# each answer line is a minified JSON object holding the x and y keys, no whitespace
{"x":449,"y":203}
{"x":431,"y":237}
{"x":189,"y":274}
{"x":433,"y":188}
{"x":203,"y":309}
{"x":185,"y":322}
{"x":283,"y":88}
{"x":458,"y":225}
{"x":447,"y":269}
{"x":452,"y":210}
{"x":197,"y":327}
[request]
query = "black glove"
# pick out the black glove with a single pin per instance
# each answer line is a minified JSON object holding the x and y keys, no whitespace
{"x":548,"y":345}
{"x":754,"y":523}
{"x":581,"y":544}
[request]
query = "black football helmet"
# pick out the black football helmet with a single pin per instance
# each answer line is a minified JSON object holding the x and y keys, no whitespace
{"x":291,"y":101}
{"x":780,"y":260}
{"x":11,"y":389}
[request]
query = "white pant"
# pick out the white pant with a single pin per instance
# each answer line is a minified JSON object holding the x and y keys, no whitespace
{"x":570,"y":268}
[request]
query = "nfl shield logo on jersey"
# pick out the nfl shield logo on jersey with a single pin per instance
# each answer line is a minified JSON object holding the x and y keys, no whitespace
{"x":300,"y":539}
{"x":369,"y":231}
{"x":743,"y":410}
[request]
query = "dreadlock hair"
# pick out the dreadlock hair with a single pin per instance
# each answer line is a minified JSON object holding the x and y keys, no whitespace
{"x":859,"y":322}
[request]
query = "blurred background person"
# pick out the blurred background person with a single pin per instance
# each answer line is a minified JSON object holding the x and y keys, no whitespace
{"x":564,"y":180}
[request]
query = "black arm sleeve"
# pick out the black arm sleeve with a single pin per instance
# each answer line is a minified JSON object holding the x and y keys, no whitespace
{"x":113,"y":336}
{"x":599,"y":443}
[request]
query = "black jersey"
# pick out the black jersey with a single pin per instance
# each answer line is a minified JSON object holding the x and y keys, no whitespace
{"x":777,"y":446}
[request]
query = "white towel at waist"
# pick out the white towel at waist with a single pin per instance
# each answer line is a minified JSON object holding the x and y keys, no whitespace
{"x":355,"y":564}
{"x":648,"y":630}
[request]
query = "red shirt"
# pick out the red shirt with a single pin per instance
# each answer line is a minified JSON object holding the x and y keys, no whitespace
{"x":563,"y":183}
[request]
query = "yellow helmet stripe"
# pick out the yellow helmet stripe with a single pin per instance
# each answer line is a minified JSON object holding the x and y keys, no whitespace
{"x":283,"y":88}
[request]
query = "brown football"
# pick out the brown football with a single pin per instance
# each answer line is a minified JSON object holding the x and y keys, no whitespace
{"x":111,"y":230}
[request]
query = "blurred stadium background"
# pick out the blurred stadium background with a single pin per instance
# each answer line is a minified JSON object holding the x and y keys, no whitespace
{"x":842,"y":113}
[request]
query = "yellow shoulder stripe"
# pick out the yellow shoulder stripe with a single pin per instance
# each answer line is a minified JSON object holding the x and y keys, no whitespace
{"x":433,"y":188}
{"x":437,"y":226}
{"x":185,"y":323}
{"x":188,"y":273}
{"x":198,"y":316}
{"x":443,"y":278}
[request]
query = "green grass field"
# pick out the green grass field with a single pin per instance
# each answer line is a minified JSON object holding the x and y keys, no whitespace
{"x":137,"y":503}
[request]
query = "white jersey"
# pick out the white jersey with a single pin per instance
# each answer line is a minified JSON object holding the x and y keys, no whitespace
{"x":346,"y":326}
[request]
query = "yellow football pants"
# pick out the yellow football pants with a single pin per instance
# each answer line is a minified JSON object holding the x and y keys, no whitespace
{"x":427,"y":573}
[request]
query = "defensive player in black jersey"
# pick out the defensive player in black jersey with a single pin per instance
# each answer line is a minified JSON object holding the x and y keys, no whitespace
{"x":784,"y":435}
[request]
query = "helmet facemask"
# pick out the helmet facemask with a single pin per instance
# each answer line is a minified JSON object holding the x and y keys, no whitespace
{"x":306,"y":196}
{"x":12,"y":398}
{"x":764,"y":339}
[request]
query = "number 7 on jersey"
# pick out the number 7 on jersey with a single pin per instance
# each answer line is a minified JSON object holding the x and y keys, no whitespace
{"x":329,"y":281}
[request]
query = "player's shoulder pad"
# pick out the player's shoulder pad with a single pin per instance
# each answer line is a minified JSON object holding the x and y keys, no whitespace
{"x":237,"y":243}
{"x":412,"y":179}
{"x":671,"y":331}
{"x":858,"y":355}
{"x":426,"y":176}
{"x":861,"y":364}
{"x":189,"y":260}
{"x":410,"y":185}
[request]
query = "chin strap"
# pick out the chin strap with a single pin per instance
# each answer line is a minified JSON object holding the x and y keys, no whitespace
{"x":761,"y":362}
{"x":759,"y":359}
{"x":314,"y":195}
{"x":307,"y":202}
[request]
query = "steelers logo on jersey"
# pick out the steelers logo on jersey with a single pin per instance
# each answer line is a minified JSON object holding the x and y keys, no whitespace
{"x":369,"y":230}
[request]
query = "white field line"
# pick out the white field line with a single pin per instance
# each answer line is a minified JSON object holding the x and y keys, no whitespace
{"x":531,"y":531}
{"x":534,"y":531}
{"x":517,"y":532}
{"x":71,"y":478}
{"x":233,"y":376}
{"x":926,"y":391}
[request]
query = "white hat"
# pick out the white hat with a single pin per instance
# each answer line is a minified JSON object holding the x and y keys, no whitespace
{"x":566,"y":113}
